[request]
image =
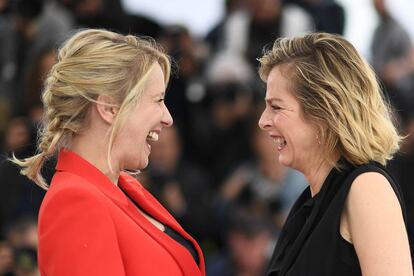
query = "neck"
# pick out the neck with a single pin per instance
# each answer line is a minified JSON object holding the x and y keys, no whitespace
{"x":316,"y":175}
{"x":95,"y":152}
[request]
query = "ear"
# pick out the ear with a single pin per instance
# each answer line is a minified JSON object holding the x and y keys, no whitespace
{"x":106,"y":109}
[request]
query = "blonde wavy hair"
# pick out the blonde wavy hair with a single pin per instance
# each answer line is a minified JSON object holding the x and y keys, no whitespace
{"x":91,"y":63}
{"x":339,"y":92}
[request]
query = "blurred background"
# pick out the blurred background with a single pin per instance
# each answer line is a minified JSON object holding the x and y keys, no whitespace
{"x":213,"y":170}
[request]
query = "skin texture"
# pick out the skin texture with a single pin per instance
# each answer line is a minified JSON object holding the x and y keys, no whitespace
{"x":131,"y":148}
{"x":283,"y":117}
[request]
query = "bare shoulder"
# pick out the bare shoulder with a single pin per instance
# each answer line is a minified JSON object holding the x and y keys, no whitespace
{"x":371,"y":202}
{"x":372,"y":190}
{"x":376,"y":226}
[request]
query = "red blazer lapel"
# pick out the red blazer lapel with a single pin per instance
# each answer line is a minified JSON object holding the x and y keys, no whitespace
{"x":151,"y":206}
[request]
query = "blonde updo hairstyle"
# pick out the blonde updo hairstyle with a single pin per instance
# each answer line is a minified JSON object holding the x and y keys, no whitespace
{"x":91,"y":63}
{"x":339,"y":92}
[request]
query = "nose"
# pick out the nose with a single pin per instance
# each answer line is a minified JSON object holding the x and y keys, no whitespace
{"x":264,"y":121}
{"x":167,"y":119}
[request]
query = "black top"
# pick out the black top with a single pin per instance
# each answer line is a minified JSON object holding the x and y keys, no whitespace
{"x":172,"y":233}
{"x":184,"y":242}
{"x":310,"y":242}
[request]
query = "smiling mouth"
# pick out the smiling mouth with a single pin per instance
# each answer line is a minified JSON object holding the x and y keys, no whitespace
{"x":280,"y":143}
{"x":152,"y":136}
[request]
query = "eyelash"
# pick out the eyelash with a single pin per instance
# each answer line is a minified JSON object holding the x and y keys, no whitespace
{"x":161,"y":100}
{"x":275,"y":108}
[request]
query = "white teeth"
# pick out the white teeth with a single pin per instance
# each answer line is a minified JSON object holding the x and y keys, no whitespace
{"x":152,"y":136}
{"x":280,"y":141}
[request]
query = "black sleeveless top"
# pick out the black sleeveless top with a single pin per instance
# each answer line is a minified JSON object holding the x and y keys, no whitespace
{"x":310,"y":242}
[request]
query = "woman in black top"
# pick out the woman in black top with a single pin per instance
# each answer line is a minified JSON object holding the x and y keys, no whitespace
{"x":326,"y":113}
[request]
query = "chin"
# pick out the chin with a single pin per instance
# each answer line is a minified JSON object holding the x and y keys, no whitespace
{"x":284,"y":162}
{"x":135,"y":166}
{"x":143,"y":164}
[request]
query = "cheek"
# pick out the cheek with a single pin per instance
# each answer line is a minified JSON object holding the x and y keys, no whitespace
{"x":280,"y":120}
{"x":132,"y":137}
{"x":307,"y":136}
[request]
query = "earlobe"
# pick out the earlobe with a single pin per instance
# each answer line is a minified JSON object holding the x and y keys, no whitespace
{"x":106,"y":110}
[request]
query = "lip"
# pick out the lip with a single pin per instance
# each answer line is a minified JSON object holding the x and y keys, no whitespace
{"x":156,"y":130}
{"x":281,"y":148}
{"x":274,"y":136}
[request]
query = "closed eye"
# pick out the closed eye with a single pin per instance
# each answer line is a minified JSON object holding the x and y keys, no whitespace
{"x":275,"y":108}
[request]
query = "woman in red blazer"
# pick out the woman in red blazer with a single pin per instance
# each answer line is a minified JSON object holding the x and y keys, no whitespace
{"x":104,"y":108}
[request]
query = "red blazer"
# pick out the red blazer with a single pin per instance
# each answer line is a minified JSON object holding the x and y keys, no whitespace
{"x":88,"y":226}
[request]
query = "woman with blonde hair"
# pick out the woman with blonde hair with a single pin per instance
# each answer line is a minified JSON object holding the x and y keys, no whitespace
{"x":104,"y":105}
{"x":329,"y":120}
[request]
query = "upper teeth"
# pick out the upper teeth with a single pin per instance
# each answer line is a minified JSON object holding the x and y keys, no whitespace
{"x":280,"y":141}
{"x":153,"y":136}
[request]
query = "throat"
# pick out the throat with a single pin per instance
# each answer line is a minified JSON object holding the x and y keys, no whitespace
{"x":317,"y":178}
